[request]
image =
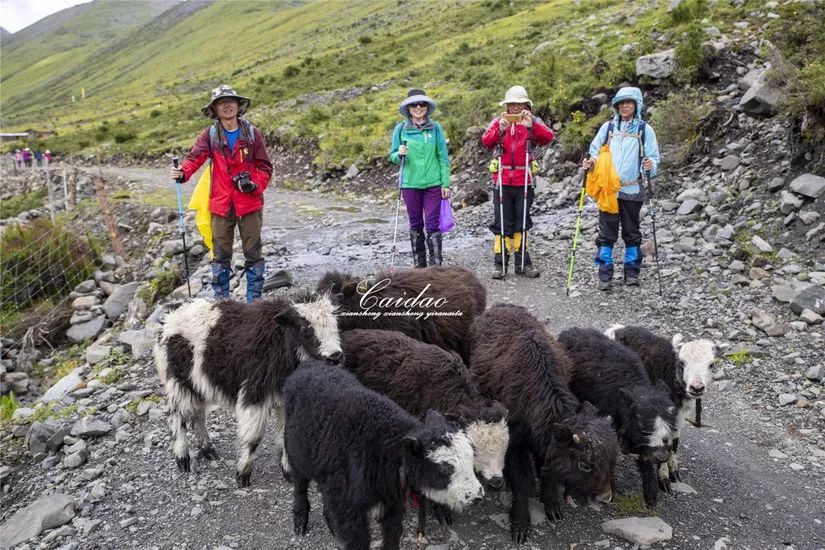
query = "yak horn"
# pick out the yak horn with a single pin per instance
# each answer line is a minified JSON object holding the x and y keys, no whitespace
{"x":576,"y":439}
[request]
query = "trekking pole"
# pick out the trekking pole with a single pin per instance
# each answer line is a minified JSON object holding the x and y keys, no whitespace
{"x":182,"y":227}
{"x":655,"y":242}
{"x":501,"y":214}
{"x":524,"y":206}
{"x":397,"y":210}
{"x":576,"y":232}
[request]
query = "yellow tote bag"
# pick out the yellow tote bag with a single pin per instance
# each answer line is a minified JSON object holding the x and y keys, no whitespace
{"x":200,"y":204}
{"x":603,"y":183}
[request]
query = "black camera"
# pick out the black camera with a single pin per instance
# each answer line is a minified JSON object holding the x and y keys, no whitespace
{"x":243,"y":183}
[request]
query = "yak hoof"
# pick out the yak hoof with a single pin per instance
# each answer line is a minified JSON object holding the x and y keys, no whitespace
{"x":675,"y":475}
{"x":208,"y":453}
{"x":519,"y":527}
{"x":443,"y":514}
{"x":287,"y":475}
{"x":664,"y":485}
{"x":553,"y":512}
{"x":183,"y":463}
{"x":243,"y":478}
{"x":300,"y":522}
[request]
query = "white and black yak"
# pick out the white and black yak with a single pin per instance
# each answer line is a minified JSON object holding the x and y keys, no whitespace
{"x":686,"y":373}
{"x":420,"y":377}
{"x":366,"y":453}
{"x":436,"y":305}
{"x":238,"y":356}
{"x":516,"y":361}
{"x":613,"y":378}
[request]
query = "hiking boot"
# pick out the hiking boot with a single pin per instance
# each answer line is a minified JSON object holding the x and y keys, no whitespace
{"x":498,"y":272}
{"x":604,"y":285}
{"x":221,"y":273}
{"x":529,"y":271}
{"x":419,"y":250}
{"x":434,"y":244}
{"x":631,"y":281}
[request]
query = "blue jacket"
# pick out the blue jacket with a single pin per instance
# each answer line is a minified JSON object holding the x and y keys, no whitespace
{"x":624,"y":149}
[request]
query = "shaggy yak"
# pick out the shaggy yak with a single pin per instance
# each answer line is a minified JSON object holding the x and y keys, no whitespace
{"x":238,"y":356}
{"x":613,"y":378}
{"x":366,"y":452}
{"x":686,"y":373}
{"x":420,"y":377}
{"x":515,"y":361}
{"x":445,"y":300}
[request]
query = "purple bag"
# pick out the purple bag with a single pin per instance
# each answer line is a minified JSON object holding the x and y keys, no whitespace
{"x":446,"y":222}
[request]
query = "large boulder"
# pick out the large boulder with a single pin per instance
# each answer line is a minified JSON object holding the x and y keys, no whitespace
{"x":139,"y":340}
{"x":90,"y":329}
{"x":809,"y":185}
{"x":761,"y":99}
{"x":789,"y":202}
{"x":47,"y":512}
{"x":119,"y":300}
{"x":812,"y":298}
{"x":63,"y":386}
{"x":656,"y":65}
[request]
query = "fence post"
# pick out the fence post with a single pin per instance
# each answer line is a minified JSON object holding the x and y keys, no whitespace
{"x":66,"y":204}
{"x":51,"y":193}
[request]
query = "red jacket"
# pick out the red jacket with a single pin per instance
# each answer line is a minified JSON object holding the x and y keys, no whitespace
{"x":514,"y":142}
{"x":225,"y":165}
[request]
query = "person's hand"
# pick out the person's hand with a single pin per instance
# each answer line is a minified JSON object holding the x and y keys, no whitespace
{"x":402,"y":151}
{"x":588,"y":164}
{"x":526,"y":118}
{"x":502,"y":123}
{"x":647,"y":164}
{"x":176,"y":173}
{"x":445,"y":192}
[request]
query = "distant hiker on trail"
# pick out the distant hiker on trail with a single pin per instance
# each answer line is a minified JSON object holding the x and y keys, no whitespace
{"x":18,"y":159}
{"x":240,"y":172}
{"x":511,"y":133}
{"x":38,"y":157}
{"x":27,"y":157}
{"x":633,"y":149}
{"x":47,"y":156}
{"x":426,"y":178}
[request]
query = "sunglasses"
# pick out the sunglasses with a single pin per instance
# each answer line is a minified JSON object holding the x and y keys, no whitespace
{"x":421,"y":105}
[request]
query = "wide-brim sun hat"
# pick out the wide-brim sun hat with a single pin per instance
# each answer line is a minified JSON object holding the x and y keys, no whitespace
{"x":516,"y":94}
{"x":416,"y":95}
{"x":224,"y":91}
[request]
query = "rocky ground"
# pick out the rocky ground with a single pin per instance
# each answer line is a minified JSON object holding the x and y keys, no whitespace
{"x":741,"y":261}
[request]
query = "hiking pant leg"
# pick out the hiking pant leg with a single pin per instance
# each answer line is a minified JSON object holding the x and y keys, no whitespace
{"x":518,"y":208}
{"x":223,"y":235}
{"x":629,"y":212}
{"x":250,"y":229}
{"x":414,"y":201}
{"x":431,"y":205}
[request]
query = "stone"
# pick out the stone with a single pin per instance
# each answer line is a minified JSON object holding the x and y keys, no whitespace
{"x":47,"y":512}
{"x":352,"y":172}
{"x":726,"y":233}
{"x":689,"y":207}
{"x":96,"y":354}
{"x":90,"y":329}
{"x":809,"y":217}
{"x":85,"y":302}
{"x":809,"y":185}
{"x":776,"y":453}
{"x":816,"y":373}
{"x":278,"y":279}
{"x":695,"y":194}
{"x":788,"y":202}
{"x":729,"y":163}
{"x":747,"y":81}
{"x":91,"y":526}
{"x":657,"y":65}
{"x":763,"y":321}
{"x":143,"y":407}
{"x":786,"y":399}
{"x":18,"y":382}
{"x":639,"y":530}
{"x":810,"y":317}
{"x":39,"y":434}
{"x":119,"y":300}
{"x":22,"y":412}
{"x":811,"y":298}
{"x":171,"y":247}
{"x":139,"y":340}
{"x":63,"y":386}
{"x":89,"y":426}
{"x":86,"y":287}
{"x":761,"y":244}
{"x":761,"y":99}
{"x":776,"y":184}
{"x":684,"y":488}
{"x":76,"y":459}
{"x":783,"y":293}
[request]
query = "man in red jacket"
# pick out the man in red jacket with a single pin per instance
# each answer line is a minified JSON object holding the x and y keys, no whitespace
{"x":241,"y":170}
{"x":511,"y":140}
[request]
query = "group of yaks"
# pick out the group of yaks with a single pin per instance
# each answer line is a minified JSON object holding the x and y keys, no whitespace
{"x":378,"y":397}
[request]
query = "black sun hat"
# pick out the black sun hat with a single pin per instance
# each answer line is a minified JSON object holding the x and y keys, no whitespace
{"x":221,"y":92}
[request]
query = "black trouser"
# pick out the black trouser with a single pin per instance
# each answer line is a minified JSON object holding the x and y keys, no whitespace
{"x":513,"y":210}
{"x":628,"y":219}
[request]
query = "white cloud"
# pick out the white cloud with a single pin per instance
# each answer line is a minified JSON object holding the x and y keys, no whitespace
{"x":19,"y":14}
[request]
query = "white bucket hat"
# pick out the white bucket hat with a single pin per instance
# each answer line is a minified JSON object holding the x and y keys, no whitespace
{"x":516,"y":94}
{"x":225,"y":91}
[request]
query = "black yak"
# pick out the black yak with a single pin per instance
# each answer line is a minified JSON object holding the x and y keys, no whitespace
{"x":613,"y":378}
{"x":436,"y":305}
{"x":515,"y":361}
{"x":238,"y":356}
{"x":365,"y":452}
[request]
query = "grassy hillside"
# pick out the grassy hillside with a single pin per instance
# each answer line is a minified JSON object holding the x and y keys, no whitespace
{"x":144,"y":85}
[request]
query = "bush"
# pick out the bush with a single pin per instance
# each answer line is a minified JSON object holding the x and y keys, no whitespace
{"x":676,"y":121}
{"x":579,"y":132}
{"x":692,"y":58}
{"x":155,"y":113}
{"x":123,"y":137}
{"x":41,"y":261}
{"x":364,"y":39}
{"x":689,"y":10}
{"x":161,"y":286}
{"x":290,"y":71}
{"x":13,"y":206}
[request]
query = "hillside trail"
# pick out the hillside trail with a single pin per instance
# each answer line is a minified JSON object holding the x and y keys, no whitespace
{"x":744,"y":497}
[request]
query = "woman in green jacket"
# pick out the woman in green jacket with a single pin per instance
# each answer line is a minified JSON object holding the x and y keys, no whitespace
{"x":426,"y":173}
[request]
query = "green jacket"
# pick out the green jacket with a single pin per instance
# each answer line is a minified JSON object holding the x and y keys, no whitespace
{"x":428,"y":163}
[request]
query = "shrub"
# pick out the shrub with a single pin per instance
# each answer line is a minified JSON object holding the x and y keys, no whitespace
{"x":11,"y":207}
{"x":291,"y":70}
{"x":676,"y":121}
{"x":364,"y":39}
{"x":155,"y":113}
{"x":123,"y":137}
{"x":692,"y":58}
{"x":8,"y":404}
{"x":689,"y":10}
{"x":41,"y":260}
{"x":579,"y":132}
{"x":161,"y":286}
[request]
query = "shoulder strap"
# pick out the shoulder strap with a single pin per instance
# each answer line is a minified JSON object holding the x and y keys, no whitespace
{"x":609,"y":133}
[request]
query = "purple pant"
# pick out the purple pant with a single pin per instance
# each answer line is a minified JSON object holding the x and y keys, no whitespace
{"x":423,"y":204}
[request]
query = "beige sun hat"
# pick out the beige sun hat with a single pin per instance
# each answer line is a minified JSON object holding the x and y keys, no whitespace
{"x":516,"y":94}
{"x":221,"y":92}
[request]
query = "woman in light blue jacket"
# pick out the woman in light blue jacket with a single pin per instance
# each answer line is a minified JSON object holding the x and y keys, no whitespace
{"x":634,"y":149}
